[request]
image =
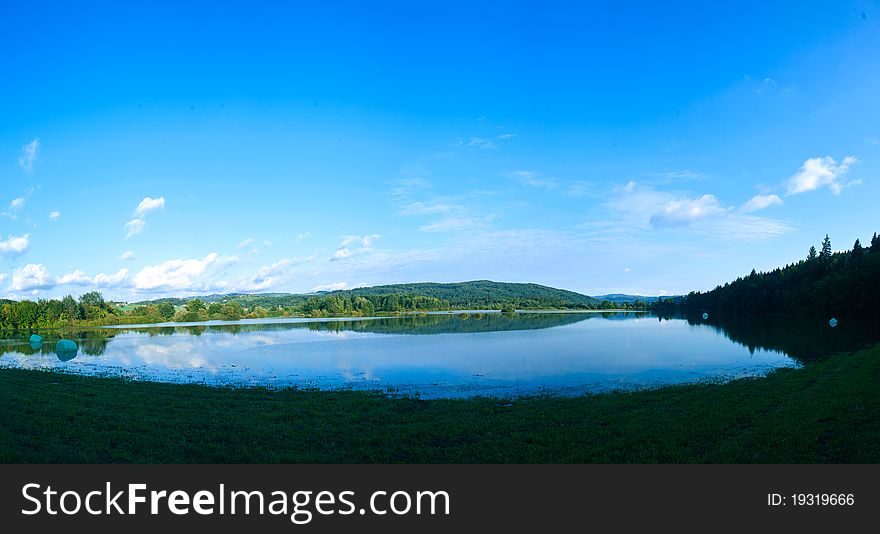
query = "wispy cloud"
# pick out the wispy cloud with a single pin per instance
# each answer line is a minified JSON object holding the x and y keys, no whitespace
{"x":534,"y":179}
{"x":684,"y":211}
{"x":138,"y":222}
{"x":266,"y":278}
{"x":54,"y":215}
{"x":404,"y":187}
{"x":679,"y":175}
{"x":147,"y":205}
{"x":15,"y":207}
{"x":340,"y":254}
{"x":640,"y":209}
{"x":477,"y":143}
{"x":134,"y":227}
{"x":821,"y":172}
{"x":448,"y":224}
{"x":428,"y":208}
{"x":255,"y":248}
{"x":28,"y":156}
{"x":127,"y":256}
{"x":14,"y":245}
{"x":353,"y":244}
{"x":760,"y":202}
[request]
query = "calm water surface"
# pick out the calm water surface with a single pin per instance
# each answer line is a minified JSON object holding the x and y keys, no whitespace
{"x":438,"y":355}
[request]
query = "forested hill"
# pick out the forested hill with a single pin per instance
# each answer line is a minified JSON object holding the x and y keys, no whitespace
{"x":423,"y":296}
{"x":484,"y":294}
{"x":830,"y":283}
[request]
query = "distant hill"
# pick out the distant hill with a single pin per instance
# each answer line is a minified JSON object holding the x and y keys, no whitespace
{"x":472,"y":294}
{"x":621,"y":298}
{"x":484,"y":292}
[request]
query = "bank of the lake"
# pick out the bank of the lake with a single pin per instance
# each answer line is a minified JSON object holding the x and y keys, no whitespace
{"x":824,"y":412}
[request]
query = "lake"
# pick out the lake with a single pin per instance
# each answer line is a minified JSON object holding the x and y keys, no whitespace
{"x":443,"y":354}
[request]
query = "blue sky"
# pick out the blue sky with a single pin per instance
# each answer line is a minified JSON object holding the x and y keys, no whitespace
{"x":170,"y":149}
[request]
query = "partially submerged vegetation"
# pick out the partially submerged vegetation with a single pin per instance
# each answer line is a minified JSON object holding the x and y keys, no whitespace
{"x":824,"y":412}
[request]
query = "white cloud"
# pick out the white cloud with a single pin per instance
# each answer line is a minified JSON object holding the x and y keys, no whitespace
{"x":29,"y":153}
{"x":77,"y":278}
{"x":505,"y":136}
{"x":128,"y":255}
{"x":137,"y":224}
{"x":54,"y":215}
{"x":16,"y":204}
{"x":15,"y":245}
{"x":338,"y":286}
{"x":178,"y":274}
{"x":134,"y":227}
{"x":341,"y":253}
{"x":246,"y":243}
{"x":32,"y":276}
{"x":110,"y":280}
{"x":367,"y":242}
{"x":684,"y":211}
{"x":302,"y":235}
{"x":759,"y":202}
{"x":344,"y":250}
{"x":268,"y":276}
{"x":147,"y":205}
{"x":820,"y":172}
{"x":637,"y":209}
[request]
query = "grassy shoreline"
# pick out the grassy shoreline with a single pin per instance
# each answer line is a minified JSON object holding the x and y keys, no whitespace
{"x":828,"y":411}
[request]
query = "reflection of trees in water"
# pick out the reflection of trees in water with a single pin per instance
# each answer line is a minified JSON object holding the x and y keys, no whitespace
{"x":91,"y":342}
{"x":404,"y":324}
{"x":806,"y":339}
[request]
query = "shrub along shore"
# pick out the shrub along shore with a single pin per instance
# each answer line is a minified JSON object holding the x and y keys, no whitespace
{"x":824,"y":412}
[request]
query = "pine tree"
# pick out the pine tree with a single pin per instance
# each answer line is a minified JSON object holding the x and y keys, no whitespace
{"x":857,"y":250}
{"x":825,"y":255}
{"x":875,"y":243}
{"x":811,"y":256}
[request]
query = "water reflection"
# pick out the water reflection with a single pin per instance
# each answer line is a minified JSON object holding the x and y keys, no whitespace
{"x":804,"y":338}
{"x":446,"y":354}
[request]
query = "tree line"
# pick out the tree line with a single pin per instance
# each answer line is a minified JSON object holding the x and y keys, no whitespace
{"x":91,"y":309}
{"x":830,"y":283}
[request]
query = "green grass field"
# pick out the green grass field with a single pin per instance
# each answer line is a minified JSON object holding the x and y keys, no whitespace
{"x":828,"y":411}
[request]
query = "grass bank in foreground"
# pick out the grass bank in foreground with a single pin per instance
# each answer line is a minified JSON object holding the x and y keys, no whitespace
{"x":826,"y":412}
